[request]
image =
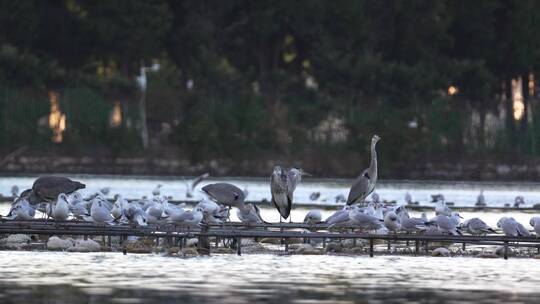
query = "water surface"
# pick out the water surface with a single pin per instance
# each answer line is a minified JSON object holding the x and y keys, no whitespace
{"x":49,"y":277}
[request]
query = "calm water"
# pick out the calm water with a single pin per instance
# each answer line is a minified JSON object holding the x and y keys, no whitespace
{"x":462,"y":193}
{"x":48,"y":277}
{"x":51,"y":277}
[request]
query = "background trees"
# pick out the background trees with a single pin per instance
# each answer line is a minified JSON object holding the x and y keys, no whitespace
{"x":263,"y":79}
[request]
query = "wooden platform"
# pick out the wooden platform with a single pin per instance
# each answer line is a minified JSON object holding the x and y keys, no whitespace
{"x":237,"y":231}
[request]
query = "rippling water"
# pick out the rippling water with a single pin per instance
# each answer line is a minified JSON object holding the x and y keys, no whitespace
{"x":50,"y":277}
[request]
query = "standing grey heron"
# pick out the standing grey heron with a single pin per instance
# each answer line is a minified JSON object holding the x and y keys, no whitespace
{"x":282,"y":186}
{"x":365,"y":183}
{"x":48,"y":188}
{"x":226,"y":194}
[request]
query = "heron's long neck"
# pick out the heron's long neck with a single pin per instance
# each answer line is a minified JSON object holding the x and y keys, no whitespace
{"x":373,"y":164}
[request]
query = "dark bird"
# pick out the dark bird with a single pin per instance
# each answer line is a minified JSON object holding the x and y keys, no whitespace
{"x":226,"y":194}
{"x":47,"y":189}
{"x":365,"y":183}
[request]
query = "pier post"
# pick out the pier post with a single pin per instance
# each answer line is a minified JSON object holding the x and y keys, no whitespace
{"x":417,"y":246}
{"x":427,"y":247}
{"x":463,"y":246}
{"x":239,"y":246}
{"x":203,"y":243}
{"x":388,"y":249}
{"x":109,"y":242}
{"x":371,"y":247}
{"x":286,"y":245}
{"x":506,"y":250}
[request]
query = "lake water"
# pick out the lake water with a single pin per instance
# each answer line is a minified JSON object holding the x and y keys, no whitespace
{"x":461,"y":193}
{"x":49,"y":277}
{"x":57,"y":277}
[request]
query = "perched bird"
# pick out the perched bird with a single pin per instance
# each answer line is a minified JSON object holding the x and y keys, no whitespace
{"x":48,"y":188}
{"x":408,"y":198}
{"x":437,"y":197}
{"x":174,"y":212}
{"x":480,"y":200}
{"x":99,"y":212}
{"x":157,"y":190}
{"x":14,"y":191}
{"x":456,"y":218}
{"x":340,"y":198}
{"x":60,"y":209}
{"x":535,"y":223}
{"x":365,"y":182}
{"x":412,"y":224}
{"x":364,"y":221}
{"x":22,"y":210}
{"x":249,"y":214}
{"x":518,"y":201}
{"x":191,"y":185}
{"x":476,"y":226}
{"x":190,"y":218}
{"x":375,"y":197}
{"x":118,"y":207}
{"x":213,"y":213}
{"x":446,"y":224}
{"x":511,"y":227}
{"x":339,"y":218}
{"x":314,"y":196}
{"x":136,"y":215}
{"x":442,"y":208}
{"x":282,"y":186}
{"x":313,"y":217}
{"x":105,"y":190}
{"x":392,"y":222}
{"x":154,"y":211}
{"x":279,"y":188}
{"x":225,"y":193}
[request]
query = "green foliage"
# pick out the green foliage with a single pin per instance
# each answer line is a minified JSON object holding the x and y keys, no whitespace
{"x":265,"y":74}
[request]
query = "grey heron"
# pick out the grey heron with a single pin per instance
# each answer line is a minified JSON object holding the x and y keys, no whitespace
{"x":47,"y":189}
{"x":365,"y":182}
{"x":225,"y":193}
{"x":282,"y":186}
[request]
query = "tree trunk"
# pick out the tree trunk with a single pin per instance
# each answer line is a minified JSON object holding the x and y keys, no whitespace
{"x":525,"y":119}
{"x":510,"y":125}
{"x":482,"y":131}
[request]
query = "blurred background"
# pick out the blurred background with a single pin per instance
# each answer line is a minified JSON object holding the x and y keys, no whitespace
{"x":235,"y":87}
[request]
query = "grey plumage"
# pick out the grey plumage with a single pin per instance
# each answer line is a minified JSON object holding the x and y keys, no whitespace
{"x":282,"y":186}
{"x":446,"y":224}
{"x":511,"y":227}
{"x":249,"y":214}
{"x":476,"y":226}
{"x":279,"y":188}
{"x":340,"y":217}
{"x":225,"y":193}
{"x":365,"y":182}
{"x":313,"y":217}
{"x":535,"y":223}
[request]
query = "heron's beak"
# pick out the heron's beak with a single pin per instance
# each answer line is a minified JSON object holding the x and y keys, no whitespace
{"x":460,"y":216}
{"x":305,"y":173}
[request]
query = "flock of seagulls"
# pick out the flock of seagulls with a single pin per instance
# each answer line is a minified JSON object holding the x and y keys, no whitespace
{"x":58,"y":198}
